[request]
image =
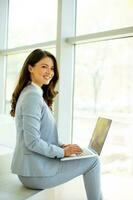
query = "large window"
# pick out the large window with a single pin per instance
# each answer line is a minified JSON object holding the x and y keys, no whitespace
{"x":103,"y":78}
{"x":31,"y":22}
{"x":96,"y":16}
{"x":103,"y":87}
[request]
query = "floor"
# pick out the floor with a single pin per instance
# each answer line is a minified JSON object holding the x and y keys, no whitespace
{"x":117,"y":187}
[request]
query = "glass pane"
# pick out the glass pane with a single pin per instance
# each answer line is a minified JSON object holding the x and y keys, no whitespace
{"x":31,"y":22}
{"x":103,"y":86}
{"x":14,"y":65}
{"x":96,"y":16}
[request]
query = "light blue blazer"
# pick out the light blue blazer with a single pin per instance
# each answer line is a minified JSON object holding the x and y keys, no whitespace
{"x":37,"y":150}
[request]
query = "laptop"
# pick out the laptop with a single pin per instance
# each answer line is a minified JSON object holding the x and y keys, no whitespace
{"x":96,"y":142}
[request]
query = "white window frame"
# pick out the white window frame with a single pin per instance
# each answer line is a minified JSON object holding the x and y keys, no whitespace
{"x":4,"y":4}
{"x":66,"y":27}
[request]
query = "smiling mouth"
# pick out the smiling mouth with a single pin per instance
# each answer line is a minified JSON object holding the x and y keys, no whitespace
{"x":47,"y":77}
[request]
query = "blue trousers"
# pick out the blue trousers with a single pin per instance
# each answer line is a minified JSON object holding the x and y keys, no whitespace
{"x":88,"y":167}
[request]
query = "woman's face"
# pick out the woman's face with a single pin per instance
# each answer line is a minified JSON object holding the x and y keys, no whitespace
{"x":42,"y":72}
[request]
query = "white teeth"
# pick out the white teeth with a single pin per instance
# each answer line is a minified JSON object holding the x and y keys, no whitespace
{"x":47,"y":77}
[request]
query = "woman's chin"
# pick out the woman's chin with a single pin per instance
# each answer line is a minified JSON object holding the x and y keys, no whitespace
{"x":46,"y":82}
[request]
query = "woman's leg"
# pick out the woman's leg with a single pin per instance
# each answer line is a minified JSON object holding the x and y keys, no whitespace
{"x":88,"y":167}
{"x":92,"y":182}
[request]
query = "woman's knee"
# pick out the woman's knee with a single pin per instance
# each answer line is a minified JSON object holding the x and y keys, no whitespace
{"x":97,"y":160}
{"x":95,"y":163}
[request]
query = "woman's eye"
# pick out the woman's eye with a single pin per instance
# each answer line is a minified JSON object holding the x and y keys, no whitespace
{"x":46,"y":67}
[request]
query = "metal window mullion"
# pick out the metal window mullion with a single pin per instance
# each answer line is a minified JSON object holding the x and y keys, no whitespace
{"x":4,"y":4}
{"x":101,"y":36}
{"x":21,"y":49}
{"x":65,"y":57}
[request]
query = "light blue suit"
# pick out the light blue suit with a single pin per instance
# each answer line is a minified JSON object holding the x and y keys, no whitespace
{"x":37,"y":138}
{"x":37,"y":152}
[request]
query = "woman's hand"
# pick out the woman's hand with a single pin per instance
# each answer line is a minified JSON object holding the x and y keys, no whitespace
{"x":71,"y":149}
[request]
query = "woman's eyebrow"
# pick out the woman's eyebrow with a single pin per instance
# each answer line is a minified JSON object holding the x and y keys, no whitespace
{"x":46,"y":64}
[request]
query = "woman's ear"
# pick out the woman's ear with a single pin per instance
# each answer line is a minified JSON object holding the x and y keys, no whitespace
{"x":30,"y":68}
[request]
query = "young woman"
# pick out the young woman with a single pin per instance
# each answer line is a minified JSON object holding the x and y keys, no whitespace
{"x":36,"y":158}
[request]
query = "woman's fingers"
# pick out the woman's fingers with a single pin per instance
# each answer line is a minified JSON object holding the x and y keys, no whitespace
{"x":77,"y":148}
{"x":72,"y":149}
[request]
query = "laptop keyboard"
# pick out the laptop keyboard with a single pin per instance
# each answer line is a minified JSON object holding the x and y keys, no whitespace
{"x":84,"y":153}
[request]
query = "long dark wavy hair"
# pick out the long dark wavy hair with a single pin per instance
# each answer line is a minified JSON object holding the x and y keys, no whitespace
{"x":24,"y":79}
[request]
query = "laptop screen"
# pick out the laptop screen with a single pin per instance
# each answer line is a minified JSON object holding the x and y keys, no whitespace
{"x":99,"y":134}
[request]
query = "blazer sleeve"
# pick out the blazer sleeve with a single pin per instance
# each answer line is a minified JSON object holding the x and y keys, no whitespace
{"x":31,"y":113}
{"x":60,"y":143}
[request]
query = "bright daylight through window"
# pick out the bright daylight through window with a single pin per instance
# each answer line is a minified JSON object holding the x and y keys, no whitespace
{"x":103,"y":87}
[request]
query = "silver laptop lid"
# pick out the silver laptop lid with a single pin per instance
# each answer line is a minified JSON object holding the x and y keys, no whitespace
{"x":99,"y":134}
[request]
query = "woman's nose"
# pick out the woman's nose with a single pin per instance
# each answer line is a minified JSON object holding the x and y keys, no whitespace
{"x":49,"y":71}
